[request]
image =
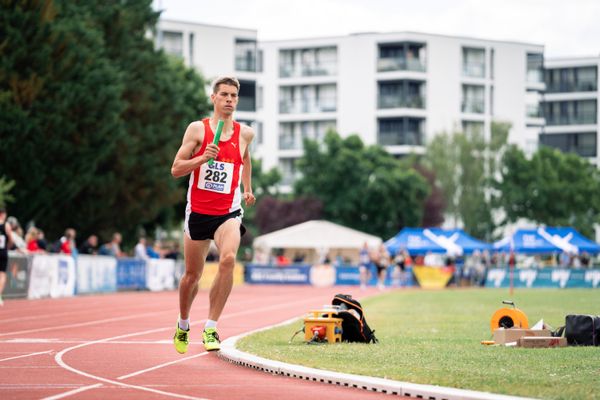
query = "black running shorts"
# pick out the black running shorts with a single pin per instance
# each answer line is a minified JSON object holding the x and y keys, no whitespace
{"x":202,"y":226}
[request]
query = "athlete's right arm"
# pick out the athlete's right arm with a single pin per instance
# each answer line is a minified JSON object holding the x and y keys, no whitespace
{"x":192,"y":139}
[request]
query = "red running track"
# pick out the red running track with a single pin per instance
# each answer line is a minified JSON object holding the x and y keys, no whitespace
{"x":119,"y":346}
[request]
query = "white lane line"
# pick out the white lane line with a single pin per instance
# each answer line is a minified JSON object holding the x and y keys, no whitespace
{"x":26,"y":355}
{"x":100,"y":321}
{"x":72,"y":392}
{"x":161,"y":365}
{"x":59,"y":356}
{"x":59,"y":341}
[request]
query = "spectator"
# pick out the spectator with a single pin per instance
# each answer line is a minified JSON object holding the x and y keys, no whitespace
{"x":173,"y":253}
{"x":154,"y":251}
{"x":585,"y":259}
{"x":364,"y":262}
{"x":113,"y":248}
{"x":41,"y":240}
{"x":31,"y":238}
{"x":67,"y":242}
{"x":18,"y":243}
{"x":140,"y":249}
{"x":90,"y":246}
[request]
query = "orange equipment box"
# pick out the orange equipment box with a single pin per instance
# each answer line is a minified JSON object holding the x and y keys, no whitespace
{"x":315,"y":320}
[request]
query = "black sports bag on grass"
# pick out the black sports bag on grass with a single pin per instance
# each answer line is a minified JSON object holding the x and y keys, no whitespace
{"x":354,"y":324}
{"x":582,"y":330}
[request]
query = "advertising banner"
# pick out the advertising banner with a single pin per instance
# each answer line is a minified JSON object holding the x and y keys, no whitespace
{"x":160,"y":274}
{"x":17,"y":276}
{"x":131,"y":274}
{"x":51,"y":276}
{"x":544,"y":278}
{"x":264,"y":274}
{"x":96,"y":274}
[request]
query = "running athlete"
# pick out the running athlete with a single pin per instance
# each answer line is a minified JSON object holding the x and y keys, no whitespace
{"x":214,"y":210}
{"x":5,"y":243}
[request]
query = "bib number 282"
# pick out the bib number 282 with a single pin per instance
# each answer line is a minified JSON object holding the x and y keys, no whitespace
{"x":216,"y":177}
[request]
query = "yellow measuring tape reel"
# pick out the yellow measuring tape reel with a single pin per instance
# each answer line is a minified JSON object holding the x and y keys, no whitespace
{"x":509,"y":318}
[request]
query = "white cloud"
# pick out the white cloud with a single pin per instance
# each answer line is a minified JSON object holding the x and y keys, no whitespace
{"x":566,"y":28}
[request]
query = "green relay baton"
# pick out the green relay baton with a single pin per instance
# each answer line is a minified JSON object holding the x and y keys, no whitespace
{"x":217,"y":137}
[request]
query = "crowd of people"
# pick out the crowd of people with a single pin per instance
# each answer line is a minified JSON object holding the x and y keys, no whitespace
{"x":33,"y":241}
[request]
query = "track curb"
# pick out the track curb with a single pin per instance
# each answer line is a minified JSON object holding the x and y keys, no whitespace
{"x":230,"y":353}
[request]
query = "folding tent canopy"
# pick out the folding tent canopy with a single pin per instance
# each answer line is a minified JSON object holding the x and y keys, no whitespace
{"x":571,"y":237}
{"x":528,"y":241}
{"x":418,"y":241}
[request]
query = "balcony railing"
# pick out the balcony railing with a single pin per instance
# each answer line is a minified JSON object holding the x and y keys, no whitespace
{"x":533,"y":111}
{"x":473,"y":106}
{"x":321,"y":69}
{"x":535,"y":76}
{"x":245,"y":64}
{"x":289,"y":143}
{"x":399,"y":64}
{"x":401,"y":102}
{"x":399,"y":138}
{"x":582,"y":119}
{"x":567,"y":87}
{"x":475,"y":70}
{"x":307,"y":106}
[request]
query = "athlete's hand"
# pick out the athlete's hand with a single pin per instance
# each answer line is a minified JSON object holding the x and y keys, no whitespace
{"x":249,"y":198}
{"x":211,"y":151}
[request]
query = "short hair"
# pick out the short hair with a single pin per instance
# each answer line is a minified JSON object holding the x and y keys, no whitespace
{"x":225,"y":80}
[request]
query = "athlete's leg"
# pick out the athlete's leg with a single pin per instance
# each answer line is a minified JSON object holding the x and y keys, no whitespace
{"x":195,"y":252}
{"x":227,"y":239}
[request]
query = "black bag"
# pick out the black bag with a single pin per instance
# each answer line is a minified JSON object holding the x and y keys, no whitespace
{"x":582,"y":330}
{"x":354,"y":324}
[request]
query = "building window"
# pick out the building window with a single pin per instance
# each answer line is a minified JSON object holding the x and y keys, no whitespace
{"x":171,"y":43}
{"x":400,"y":131}
{"x":535,"y":67}
{"x":532,"y":104}
{"x":307,"y":99}
{"x":292,"y":134}
{"x":573,"y":112}
{"x":245,"y":55}
{"x":581,"y":79}
{"x":583,"y":144}
{"x":492,"y":57}
{"x":404,"y":56}
{"x":401,"y":94}
{"x":473,"y":99}
{"x":473,"y":128}
{"x":317,"y":61}
{"x":473,"y":62}
{"x":247,"y":96}
{"x":191,"y":52}
{"x":289,"y":172}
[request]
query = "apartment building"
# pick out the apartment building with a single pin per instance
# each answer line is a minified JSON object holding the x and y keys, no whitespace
{"x":570,"y":106}
{"x":393,"y":89}
{"x":215,"y":51}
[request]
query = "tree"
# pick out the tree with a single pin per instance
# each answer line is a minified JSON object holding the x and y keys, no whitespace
{"x":5,"y":188}
{"x":94,"y":113}
{"x":552,"y":188}
{"x":361,"y":187}
{"x":464,"y":164}
{"x":273,"y":214}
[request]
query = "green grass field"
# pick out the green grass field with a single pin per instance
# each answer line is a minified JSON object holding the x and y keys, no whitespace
{"x":433,"y":337}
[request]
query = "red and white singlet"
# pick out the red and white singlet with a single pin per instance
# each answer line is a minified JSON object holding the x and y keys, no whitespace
{"x":215,"y":189}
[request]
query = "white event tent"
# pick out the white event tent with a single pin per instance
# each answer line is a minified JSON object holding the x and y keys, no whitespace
{"x":314,"y":239}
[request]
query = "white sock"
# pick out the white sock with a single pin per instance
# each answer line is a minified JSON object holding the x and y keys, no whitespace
{"x":210,"y":324}
{"x":184,"y":324}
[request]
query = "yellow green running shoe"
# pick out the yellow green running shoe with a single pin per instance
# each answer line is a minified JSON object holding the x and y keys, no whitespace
{"x":181,"y":340}
{"x":210,"y":338}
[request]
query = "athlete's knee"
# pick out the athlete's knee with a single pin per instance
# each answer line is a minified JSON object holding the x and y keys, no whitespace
{"x":227,"y":260}
{"x":191,"y":276}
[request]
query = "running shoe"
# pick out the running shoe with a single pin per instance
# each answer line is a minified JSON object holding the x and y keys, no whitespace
{"x":181,"y":340}
{"x":210,"y":338}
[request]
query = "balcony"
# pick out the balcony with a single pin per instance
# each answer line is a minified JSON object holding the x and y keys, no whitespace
{"x":400,"y":138}
{"x":307,"y":106}
{"x":321,"y":69}
{"x":247,"y":64}
{"x":399,"y":64}
{"x":569,"y":87}
{"x":246,"y":104}
{"x":473,"y":106}
{"x":533,"y":111}
{"x":582,"y":119}
{"x":474,"y":70}
{"x":401,"y":101}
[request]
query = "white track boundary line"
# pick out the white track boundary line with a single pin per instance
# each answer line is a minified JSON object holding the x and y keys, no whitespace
{"x":72,"y":392}
{"x":59,"y":356}
{"x":27,"y":355}
{"x":161,"y":365}
{"x":371,"y":384}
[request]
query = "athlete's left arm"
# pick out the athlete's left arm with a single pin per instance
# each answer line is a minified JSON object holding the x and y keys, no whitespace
{"x":247,"y":135}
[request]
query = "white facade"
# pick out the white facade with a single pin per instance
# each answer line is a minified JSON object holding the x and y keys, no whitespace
{"x":394,"y":89}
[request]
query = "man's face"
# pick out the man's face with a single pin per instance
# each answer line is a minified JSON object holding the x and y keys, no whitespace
{"x":225,"y":99}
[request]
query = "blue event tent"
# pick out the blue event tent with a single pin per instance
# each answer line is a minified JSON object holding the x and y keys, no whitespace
{"x":418,"y":241}
{"x":547,"y":240}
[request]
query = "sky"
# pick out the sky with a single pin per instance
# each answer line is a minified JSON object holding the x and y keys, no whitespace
{"x":567,"y":28}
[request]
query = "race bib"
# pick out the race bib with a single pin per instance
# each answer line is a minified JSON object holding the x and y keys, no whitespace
{"x":216,"y":177}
